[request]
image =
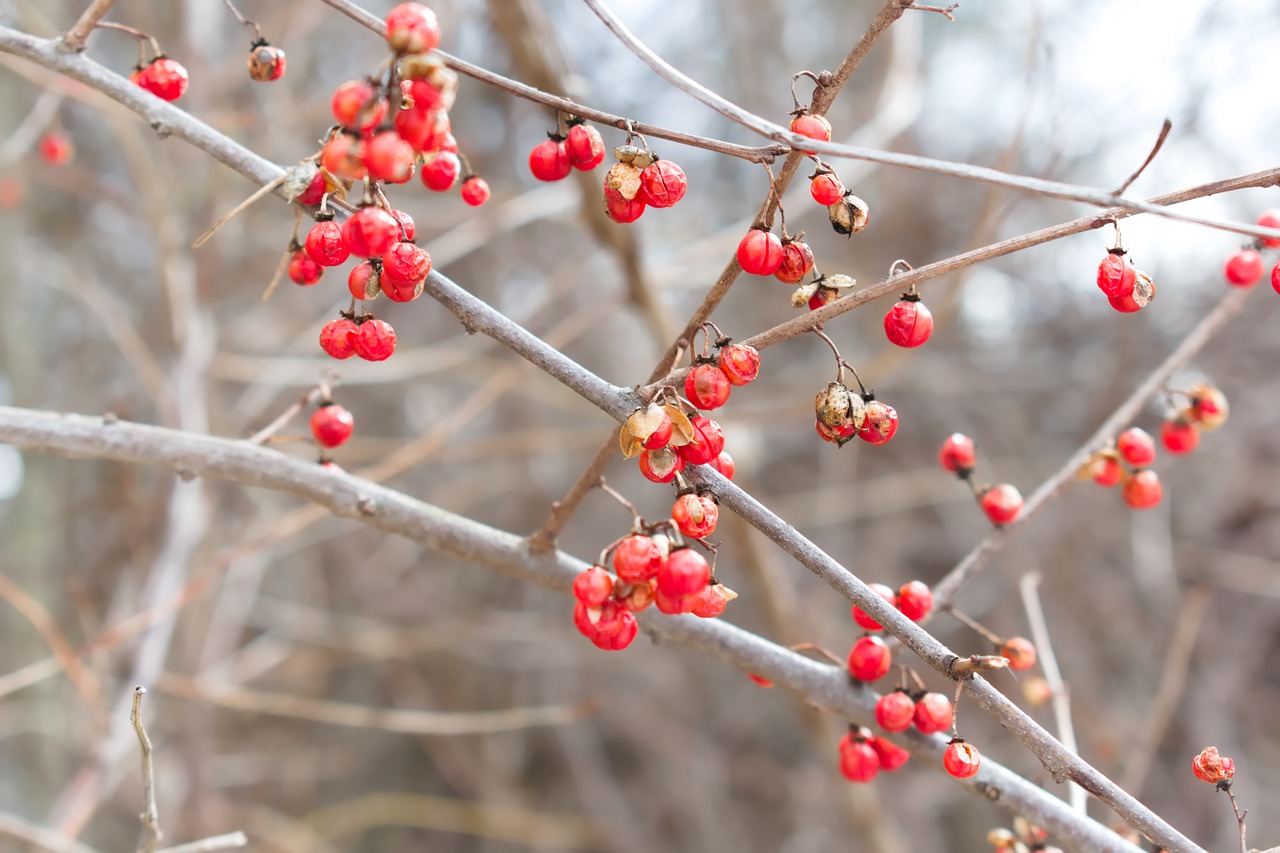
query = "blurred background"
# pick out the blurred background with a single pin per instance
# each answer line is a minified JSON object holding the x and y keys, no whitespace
{"x":1164,"y":623}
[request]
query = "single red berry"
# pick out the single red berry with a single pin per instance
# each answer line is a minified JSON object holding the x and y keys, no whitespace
{"x":336,"y":338}
{"x":661,"y":465}
{"x":859,"y":761}
{"x":1270,"y":219}
{"x":860,"y":616}
{"x":314,"y":193}
{"x":813,"y":126}
{"x":797,"y":262}
{"x":869,"y":659}
{"x":695,"y":515}
{"x":437,"y":92}
{"x":672,"y":604}
{"x":1106,"y":470}
{"x":637,"y":559}
{"x":324,"y":243}
{"x":686,"y":572}
{"x":364,"y":280}
{"x":303,"y":270}
{"x":475,"y":190}
{"x":1002,"y":503}
{"x":621,"y":209}
{"x":1208,"y":409}
{"x":424,"y":129}
{"x":932,"y":714}
{"x":1136,"y":446}
{"x":915,"y":600}
{"x":593,"y":587}
{"x":891,"y":755}
{"x":662,"y":184}
{"x":1144,"y":290}
{"x":403,"y":291}
{"x":405,"y":263}
{"x":266,"y":62}
{"x":627,"y":631}
{"x":961,"y":759}
{"x":1020,"y":652}
{"x":56,"y":148}
{"x":408,"y":230}
{"x":548,"y":161}
{"x":823,"y":296}
{"x":343,"y":157}
{"x":909,"y":323}
{"x":709,"y":603}
{"x":1209,"y":766}
{"x":440,"y":171}
{"x":1116,"y":275}
{"x":1142,"y":489}
{"x":331,"y":425}
{"x":370,"y":232}
{"x":760,"y":679}
{"x":165,"y":78}
{"x":388,"y":158}
{"x":1244,"y":268}
{"x":707,"y":386}
{"x":375,"y":341}
{"x":958,"y":454}
{"x":740,"y":363}
{"x":760,"y":252}
{"x":1275,"y":278}
{"x":357,"y":105}
{"x":661,"y":436}
{"x":412,"y":28}
{"x":1179,"y":436}
{"x":895,"y":711}
{"x":724,"y":464}
{"x":707,"y":442}
{"x":880,"y":425}
{"x":826,"y":189}
{"x":584,"y":147}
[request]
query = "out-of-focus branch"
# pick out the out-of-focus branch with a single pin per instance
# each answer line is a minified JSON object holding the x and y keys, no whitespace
{"x":150,"y":815}
{"x":75,"y":38}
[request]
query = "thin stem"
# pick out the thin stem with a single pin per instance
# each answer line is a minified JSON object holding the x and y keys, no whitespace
{"x":313,"y":395}
{"x":795,"y":101}
{"x":944,"y":11}
{"x":617,"y":496}
{"x":820,"y":651}
{"x":955,"y":709}
{"x":76,"y":36}
{"x":150,"y":816}
{"x":777,"y":199}
{"x":1240,"y":815}
{"x":136,"y":33}
{"x":975,"y":625}
{"x":840,"y":362}
{"x":1155,"y":149}
{"x":248,"y":22}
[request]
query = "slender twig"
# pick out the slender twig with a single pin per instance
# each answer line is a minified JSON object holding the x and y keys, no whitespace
{"x":311,"y":396}
{"x":150,"y":816}
{"x":248,"y":22}
{"x":944,"y":11}
{"x":1235,"y":807}
{"x":229,"y":841}
{"x":75,"y":38}
{"x":1029,"y":587}
{"x":1155,"y":149}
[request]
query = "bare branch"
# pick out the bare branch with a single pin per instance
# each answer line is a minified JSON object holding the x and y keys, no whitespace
{"x":1155,"y":149}
{"x":150,"y":816}
{"x":75,"y":38}
{"x":230,"y":841}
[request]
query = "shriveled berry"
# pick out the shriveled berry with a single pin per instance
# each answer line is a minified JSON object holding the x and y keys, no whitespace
{"x":686,"y":572}
{"x":412,"y":28}
{"x":1144,"y":290}
{"x":860,"y":616}
{"x":324,"y":244}
{"x":895,"y":711}
{"x":1179,"y":436}
{"x":356,"y":104}
{"x":405,"y":263}
{"x":1020,"y":652}
{"x":1142,"y":489}
{"x":1136,"y":446}
{"x":637,"y":559}
{"x":880,"y":424}
{"x":364,"y":280}
{"x":709,"y":603}
{"x":760,"y":252}
{"x":797,"y":262}
{"x":707,"y":386}
{"x":915,"y":600}
{"x":869,"y":659}
{"x":859,"y":761}
{"x":548,"y":161}
{"x":593,"y":587}
{"x":303,"y":270}
{"x":1244,"y":268}
{"x":388,"y":158}
{"x":375,"y":341}
{"x":891,"y":755}
{"x":933,"y":713}
{"x":695,"y":515}
{"x":332,"y":425}
{"x":1209,"y":766}
{"x":343,"y":157}
{"x":707,"y":442}
{"x":403,"y":291}
{"x":826,"y":189}
{"x":961,"y":759}
{"x":621,"y":209}
{"x":661,"y":465}
{"x":909,"y":323}
{"x":1002,"y":504}
{"x":336,"y":338}
{"x":662,"y":184}
{"x":165,"y":78}
{"x":370,"y":232}
{"x":266,"y":62}
{"x":740,"y":363}
{"x":475,"y":190}
{"x":440,"y":171}
{"x":724,"y":464}
{"x":958,"y":454}
{"x":1116,"y":275}
{"x":422,"y":128}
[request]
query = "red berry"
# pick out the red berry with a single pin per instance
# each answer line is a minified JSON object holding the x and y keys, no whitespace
{"x":475,"y":190}
{"x":332,"y":425}
{"x":336,"y":338}
{"x":405,"y":263}
{"x":1211,"y":767}
{"x":637,"y":559}
{"x":303,"y":270}
{"x":760,"y":679}
{"x":837,"y":436}
{"x":826,"y":189}
{"x":823,"y":296}
{"x":958,"y":455}
{"x":627,"y":631}
{"x":388,"y":158}
{"x":724,"y":464}
{"x":1244,"y":268}
{"x":1002,"y":503}
{"x":909,"y":323}
{"x":661,"y":436}
{"x":422,"y":128}
{"x":1208,"y":407}
{"x":797,"y":262}
{"x":314,"y":193}
{"x":408,"y":230}
{"x":56,"y":148}
{"x":1275,"y":278}
{"x":375,"y":341}
{"x":1270,"y":219}
{"x":672,"y":604}
{"x":860,"y":616}
{"x":1142,"y":490}
{"x":760,"y":252}
{"x":440,"y":171}
{"x":403,"y":291}
{"x":661,"y":465}
{"x":880,"y":425}
{"x":686,"y":572}
{"x":869,"y":659}
{"x":707,"y":442}
{"x":707,"y":386}
{"x":1137,"y":447}
{"x":593,"y":587}
{"x":364,"y":280}
{"x":895,"y":711}
{"x":740,"y":363}
{"x":695,"y":515}
{"x":370,"y":232}
{"x":1144,"y":290}
{"x":1179,"y":436}
{"x":324,"y":244}
{"x":1020,"y":652}
{"x":891,"y":755}
{"x":548,"y":161}
{"x":1116,"y":275}
{"x":709,"y":603}
{"x":933,"y":713}
{"x":859,"y":761}
{"x":915,"y":600}
{"x":165,"y":78}
{"x":343,"y":157}
{"x":813,"y":126}
{"x":412,"y":28}
{"x":584,"y":147}
{"x":266,"y":62}
{"x":356,"y":104}
{"x":621,"y":209}
{"x":961,"y":759}
{"x":662,"y":184}
{"x":1106,"y":470}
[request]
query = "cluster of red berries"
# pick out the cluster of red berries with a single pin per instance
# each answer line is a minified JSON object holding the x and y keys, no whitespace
{"x":848,"y":213}
{"x":713,"y":377}
{"x":863,"y":754}
{"x":331,"y":424}
{"x":842,"y":414}
{"x":870,"y":657}
{"x":1001,"y":503}
{"x":1126,"y":288}
{"x":1243,"y":268}
{"x":929,"y":712}
{"x":788,"y":259}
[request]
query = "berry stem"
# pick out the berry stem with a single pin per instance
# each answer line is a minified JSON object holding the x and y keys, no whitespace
{"x":1225,"y":786}
{"x":136,"y":33}
{"x":975,"y":625}
{"x":1155,"y":149}
{"x":944,"y":11}
{"x":613,"y":493}
{"x":248,"y":22}
{"x":818,"y":651}
{"x":777,"y":199}
{"x":796,"y":107}
{"x":315,"y":394}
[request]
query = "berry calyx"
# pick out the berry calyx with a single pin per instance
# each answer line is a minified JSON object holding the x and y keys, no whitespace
{"x":1136,"y":446}
{"x":336,"y":338}
{"x":1142,"y":489}
{"x":1211,"y":767}
{"x":548,"y":161}
{"x":302,"y":270}
{"x":375,"y":340}
{"x":332,"y":425}
{"x":740,"y":363}
{"x":475,"y":190}
{"x":760,"y":252}
{"x":909,"y":323}
{"x":1020,"y":652}
{"x":880,"y":424}
{"x":961,"y":759}
{"x":707,"y":386}
{"x":593,"y":587}
{"x":915,"y":600}
{"x":440,"y":171}
{"x":1116,"y":275}
{"x":165,"y":78}
{"x":1179,"y":436}
{"x":860,"y":616}
{"x":895,"y":711}
{"x":826,"y":188}
{"x":695,"y":515}
{"x":1244,"y":268}
{"x":370,"y":232}
{"x":662,"y":184}
{"x":585,"y":147}
{"x":859,"y":761}
{"x":932,"y":714}
{"x":266,"y":62}
{"x":797,"y":262}
{"x":685,"y":573}
{"x":1002,"y":504}
{"x":324,"y":243}
{"x":637,"y":559}
{"x":958,"y":454}
{"x":869,"y":659}
{"x":412,"y":28}
{"x":706,"y":444}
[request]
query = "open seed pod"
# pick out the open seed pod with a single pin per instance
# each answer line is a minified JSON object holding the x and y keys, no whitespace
{"x":849,"y":215}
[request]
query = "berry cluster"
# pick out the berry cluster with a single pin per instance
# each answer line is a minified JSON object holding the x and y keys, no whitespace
{"x":1243,"y":268}
{"x":1001,"y":503}
{"x":842,"y":414}
{"x":929,"y":712}
{"x":863,"y":754}
{"x":870,"y":657}
{"x":1126,"y":288}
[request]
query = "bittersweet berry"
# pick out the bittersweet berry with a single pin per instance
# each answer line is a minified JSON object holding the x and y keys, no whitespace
{"x":760,"y":680}
{"x":637,"y":559}
{"x":709,"y":603}
{"x":685,"y":573}
{"x":422,"y":128}
{"x":1275,"y":278}
{"x":388,"y":158}
{"x":707,"y":386}
{"x":324,"y":243}
{"x":880,"y":423}
{"x":336,"y":338}
{"x":266,"y":62}
{"x":860,"y":616}
{"x":1211,"y":767}
{"x":593,"y":587}
{"x":1116,"y":275}
{"x":548,"y":161}
{"x":932,"y":713}
{"x":584,"y":147}
{"x":869,"y":659}
{"x":915,"y":600}
{"x":813,"y":126}
{"x":303,"y":270}
{"x":364,"y":280}
{"x":620,"y":208}
{"x":695,"y":515}
{"x":859,"y":761}
{"x":440,"y":170}
{"x":1020,"y":652}
{"x":760,"y":252}
{"x":1244,"y":268}
{"x":370,"y":232}
{"x":1142,"y":489}
{"x":356,"y":104}
{"x":1105,"y":468}
{"x":740,"y":363}
{"x":895,"y":711}
{"x":1208,"y":407}
{"x":165,"y":78}
{"x":826,"y":188}
{"x":661,"y":435}
{"x":958,"y":454}
{"x":891,"y":755}
{"x":724,"y":464}
{"x":1136,"y":446}
{"x":343,"y":156}
{"x":475,"y":190}
{"x":662,"y":184}
{"x":661,"y":465}
{"x":1270,"y":219}
{"x":706,"y":444}
{"x":1179,"y":436}
{"x":314,"y":193}
{"x":412,"y":28}
{"x":332,"y":425}
{"x":797,"y":261}
{"x":405,"y":264}
{"x":1002,"y":503}
{"x":375,"y":340}
{"x":961,"y":759}
{"x":909,"y":323}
